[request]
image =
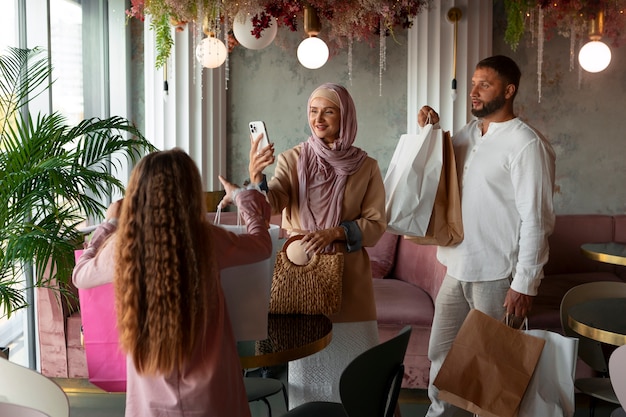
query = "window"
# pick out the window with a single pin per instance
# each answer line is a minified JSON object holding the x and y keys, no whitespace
{"x":66,"y":23}
{"x":75,"y":33}
{"x":11,"y":330}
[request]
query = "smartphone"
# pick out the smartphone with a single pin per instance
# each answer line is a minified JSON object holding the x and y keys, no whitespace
{"x":257,"y":128}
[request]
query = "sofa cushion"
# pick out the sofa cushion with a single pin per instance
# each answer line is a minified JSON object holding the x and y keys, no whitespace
{"x":418,"y":265}
{"x":620,"y":228}
{"x":571,"y":231}
{"x":399,"y":302}
{"x":383,"y":255}
{"x":545,"y":313}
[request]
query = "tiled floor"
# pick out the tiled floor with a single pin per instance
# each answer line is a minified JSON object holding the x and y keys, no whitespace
{"x":88,"y":401}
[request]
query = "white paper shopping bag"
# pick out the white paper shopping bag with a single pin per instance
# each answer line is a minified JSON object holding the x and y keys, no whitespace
{"x":551,"y":389}
{"x":247,"y":290}
{"x":412,"y":180}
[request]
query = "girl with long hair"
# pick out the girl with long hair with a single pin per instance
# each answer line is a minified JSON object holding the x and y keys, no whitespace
{"x":164,"y":257}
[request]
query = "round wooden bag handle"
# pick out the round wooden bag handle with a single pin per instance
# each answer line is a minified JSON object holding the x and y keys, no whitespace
{"x":290,"y":241}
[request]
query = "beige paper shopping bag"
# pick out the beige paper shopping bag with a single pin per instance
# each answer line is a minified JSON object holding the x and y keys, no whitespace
{"x":488,"y":367}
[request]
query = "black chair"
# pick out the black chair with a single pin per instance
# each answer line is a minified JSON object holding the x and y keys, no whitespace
{"x":258,"y":389}
{"x":369,"y":386}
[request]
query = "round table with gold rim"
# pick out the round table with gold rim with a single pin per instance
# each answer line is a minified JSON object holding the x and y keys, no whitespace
{"x":602,"y":319}
{"x":609,"y":252}
{"x":290,"y":337}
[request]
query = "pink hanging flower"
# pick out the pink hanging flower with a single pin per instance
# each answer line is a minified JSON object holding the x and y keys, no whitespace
{"x":136,"y":10}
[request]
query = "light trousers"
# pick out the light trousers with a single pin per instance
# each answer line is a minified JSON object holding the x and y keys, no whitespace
{"x":453,"y":303}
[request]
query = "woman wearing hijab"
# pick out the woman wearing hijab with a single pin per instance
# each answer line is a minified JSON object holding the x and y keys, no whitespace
{"x":332,"y":193}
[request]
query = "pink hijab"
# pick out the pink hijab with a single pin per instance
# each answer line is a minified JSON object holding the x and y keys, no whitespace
{"x":323,"y":172}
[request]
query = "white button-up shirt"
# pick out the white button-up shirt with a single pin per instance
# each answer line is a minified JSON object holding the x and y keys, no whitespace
{"x":507,"y":184}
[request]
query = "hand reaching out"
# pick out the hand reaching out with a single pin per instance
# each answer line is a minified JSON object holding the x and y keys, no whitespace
{"x":114,"y":210}
{"x":229,"y":187}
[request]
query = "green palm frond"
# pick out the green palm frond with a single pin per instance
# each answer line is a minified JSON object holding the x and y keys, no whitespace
{"x":23,"y":77}
{"x":52,"y":176}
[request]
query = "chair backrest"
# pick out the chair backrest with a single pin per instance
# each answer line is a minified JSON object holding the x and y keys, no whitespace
{"x":370,"y":384}
{"x":213,"y":198}
{"x":24,"y":387}
{"x":7,"y":409}
{"x":590,"y":351}
{"x":617,"y":369}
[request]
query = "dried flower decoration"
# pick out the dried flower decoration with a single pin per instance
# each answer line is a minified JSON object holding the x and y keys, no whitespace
{"x":568,"y":18}
{"x":344,"y":21}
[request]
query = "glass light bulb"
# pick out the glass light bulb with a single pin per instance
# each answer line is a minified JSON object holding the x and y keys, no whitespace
{"x":313,"y":53}
{"x":594,"y":56}
{"x":211,"y":52}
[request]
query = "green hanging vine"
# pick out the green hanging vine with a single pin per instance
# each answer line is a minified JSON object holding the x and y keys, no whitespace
{"x":515,"y":10}
{"x":164,"y":41}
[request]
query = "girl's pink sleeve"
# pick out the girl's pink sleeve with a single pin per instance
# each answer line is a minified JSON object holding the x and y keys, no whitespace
{"x":96,"y":265}
{"x":253,"y":246}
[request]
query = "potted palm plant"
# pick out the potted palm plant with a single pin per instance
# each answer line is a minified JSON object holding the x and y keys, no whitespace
{"x":52,"y":177}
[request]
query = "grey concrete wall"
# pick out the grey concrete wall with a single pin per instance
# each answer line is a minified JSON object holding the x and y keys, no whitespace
{"x":271,"y":85}
{"x":582,"y":115}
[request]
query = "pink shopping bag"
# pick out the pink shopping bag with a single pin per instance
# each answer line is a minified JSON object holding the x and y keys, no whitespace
{"x":106,"y":363}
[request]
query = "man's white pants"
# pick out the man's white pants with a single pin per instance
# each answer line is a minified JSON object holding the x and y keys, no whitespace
{"x":453,"y":303}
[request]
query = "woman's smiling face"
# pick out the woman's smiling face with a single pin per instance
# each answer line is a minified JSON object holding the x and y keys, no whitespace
{"x":325,"y":119}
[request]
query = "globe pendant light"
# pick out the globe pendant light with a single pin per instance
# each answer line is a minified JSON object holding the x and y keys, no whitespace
{"x":210,"y":52}
{"x":312,"y":52}
{"x":595,"y":55}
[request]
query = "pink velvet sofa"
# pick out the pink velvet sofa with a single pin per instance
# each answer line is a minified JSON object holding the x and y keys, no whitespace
{"x":407,"y":278}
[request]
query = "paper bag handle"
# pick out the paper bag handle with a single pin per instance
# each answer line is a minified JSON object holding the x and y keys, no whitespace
{"x":218,"y":216}
{"x":511,"y":321}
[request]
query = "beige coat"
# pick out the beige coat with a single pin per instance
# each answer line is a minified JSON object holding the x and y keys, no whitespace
{"x":364,"y":202}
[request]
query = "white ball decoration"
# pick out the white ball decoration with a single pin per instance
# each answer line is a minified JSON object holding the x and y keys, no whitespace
{"x":242,"y":29}
{"x":211,"y":52}
{"x":313,"y":53}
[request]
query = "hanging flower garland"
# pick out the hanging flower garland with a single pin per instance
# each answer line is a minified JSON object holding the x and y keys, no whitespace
{"x":568,"y":18}
{"x":565,"y":18}
{"x":343,"y":21}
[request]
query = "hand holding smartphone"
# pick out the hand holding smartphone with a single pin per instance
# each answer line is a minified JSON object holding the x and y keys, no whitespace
{"x":257,"y":128}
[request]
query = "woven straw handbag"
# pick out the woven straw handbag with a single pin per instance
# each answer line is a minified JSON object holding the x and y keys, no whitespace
{"x":314,"y":288}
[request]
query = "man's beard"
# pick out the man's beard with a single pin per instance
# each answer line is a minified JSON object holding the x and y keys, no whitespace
{"x":490,"y":107}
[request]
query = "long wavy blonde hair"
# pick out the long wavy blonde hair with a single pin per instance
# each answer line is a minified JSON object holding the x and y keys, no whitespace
{"x":162,"y":287}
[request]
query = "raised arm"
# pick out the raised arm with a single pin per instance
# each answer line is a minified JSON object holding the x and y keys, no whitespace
{"x":259,"y":159}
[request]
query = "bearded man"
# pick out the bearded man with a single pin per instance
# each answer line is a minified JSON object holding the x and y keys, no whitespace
{"x":506,"y":174}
